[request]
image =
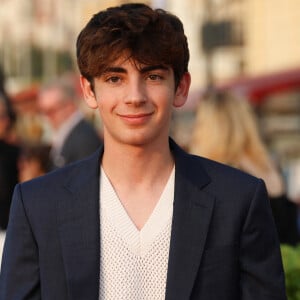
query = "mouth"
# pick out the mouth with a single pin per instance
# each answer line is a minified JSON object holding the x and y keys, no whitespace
{"x":136,"y":118}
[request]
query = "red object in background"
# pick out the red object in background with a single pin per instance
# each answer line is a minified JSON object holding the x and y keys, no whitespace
{"x":26,"y":95}
{"x":256,"y":89}
{"x":25,"y":100}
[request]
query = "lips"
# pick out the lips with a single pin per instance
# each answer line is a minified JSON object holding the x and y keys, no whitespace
{"x":139,"y":115}
{"x":136,"y":118}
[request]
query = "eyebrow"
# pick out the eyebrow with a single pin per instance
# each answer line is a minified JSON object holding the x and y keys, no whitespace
{"x":114,"y":70}
{"x":152,"y":68}
{"x":144,"y":69}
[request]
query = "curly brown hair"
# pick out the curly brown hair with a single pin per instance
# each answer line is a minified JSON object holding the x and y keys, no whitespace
{"x":148,"y":36}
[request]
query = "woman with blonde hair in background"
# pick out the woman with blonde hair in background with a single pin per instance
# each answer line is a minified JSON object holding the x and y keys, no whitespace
{"x":226,"y":130}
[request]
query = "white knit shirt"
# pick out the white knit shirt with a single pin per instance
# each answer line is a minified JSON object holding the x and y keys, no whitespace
{"x":133,"y":263}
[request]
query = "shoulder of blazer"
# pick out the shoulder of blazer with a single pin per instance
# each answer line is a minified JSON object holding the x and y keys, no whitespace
{"x":201,"y":170}
{"x":48,"y":199}
{"x":73,"y":175}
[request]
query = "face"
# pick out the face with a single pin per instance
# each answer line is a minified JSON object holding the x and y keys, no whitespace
{"x":135,"y":102}
{"x":52,"y":107}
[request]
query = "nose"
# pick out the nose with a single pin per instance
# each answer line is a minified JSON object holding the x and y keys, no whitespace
{"x":136,"y":94}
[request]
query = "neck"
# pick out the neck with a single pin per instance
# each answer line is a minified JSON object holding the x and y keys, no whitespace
{"x":136,"y":164}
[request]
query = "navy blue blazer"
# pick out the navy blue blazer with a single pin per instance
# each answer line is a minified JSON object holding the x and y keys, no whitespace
{"x":223,"y":242}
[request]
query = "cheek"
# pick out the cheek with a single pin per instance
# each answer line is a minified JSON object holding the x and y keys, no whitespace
{"x":107,"y":100}
{"x":167,"y":99}
{"x":103,"y":106}
{"x":105,"y":110}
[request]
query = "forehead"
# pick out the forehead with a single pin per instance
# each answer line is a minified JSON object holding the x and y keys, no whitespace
{"x":124,"y":63}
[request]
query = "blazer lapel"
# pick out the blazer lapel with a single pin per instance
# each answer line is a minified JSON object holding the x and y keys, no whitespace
{"x":191,"y":217}
{"x":79,"y":229}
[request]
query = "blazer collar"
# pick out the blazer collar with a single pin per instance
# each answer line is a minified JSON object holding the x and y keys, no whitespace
{"x":79,"y":230}
{"x":191,"y":218}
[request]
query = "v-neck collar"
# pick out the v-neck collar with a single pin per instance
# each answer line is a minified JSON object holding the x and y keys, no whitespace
{"x":112,"y":211}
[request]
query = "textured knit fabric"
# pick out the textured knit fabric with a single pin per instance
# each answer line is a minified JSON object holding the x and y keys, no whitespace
{"x":133,"y":263}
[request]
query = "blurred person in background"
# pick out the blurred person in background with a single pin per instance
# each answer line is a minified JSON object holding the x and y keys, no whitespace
{"x":10,"y":132}
{"x":226,"y":130}
{"x":9,"y":154}
{"x":73,"y":137}
{"x":34,"y":161}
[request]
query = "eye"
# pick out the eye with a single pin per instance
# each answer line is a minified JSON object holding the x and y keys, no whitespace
{"x":155,"y":77}
{"x":114,"y":79}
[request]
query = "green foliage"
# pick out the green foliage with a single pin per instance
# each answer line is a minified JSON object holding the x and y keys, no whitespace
{"x":291,"y":265}
{"x":60,"y":62}
{"x":36,"y":62}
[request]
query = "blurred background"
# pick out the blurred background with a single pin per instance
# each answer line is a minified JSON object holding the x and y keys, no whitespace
{"x":251,"y":47}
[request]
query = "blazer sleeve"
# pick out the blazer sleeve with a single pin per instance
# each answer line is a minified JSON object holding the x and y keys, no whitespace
{"x":19,"y":278}
{"x":262,"y":276}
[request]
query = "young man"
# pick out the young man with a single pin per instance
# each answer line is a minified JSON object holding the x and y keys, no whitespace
{"x":140,"y":219}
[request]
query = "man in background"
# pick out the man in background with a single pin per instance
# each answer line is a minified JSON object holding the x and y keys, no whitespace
{"x":73,"y":137}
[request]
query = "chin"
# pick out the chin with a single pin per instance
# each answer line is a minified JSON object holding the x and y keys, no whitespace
{"x":144,"y":140}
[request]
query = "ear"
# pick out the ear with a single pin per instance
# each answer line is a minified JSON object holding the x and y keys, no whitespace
{"x":182,"y":90}
{"x":88,"y":93}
